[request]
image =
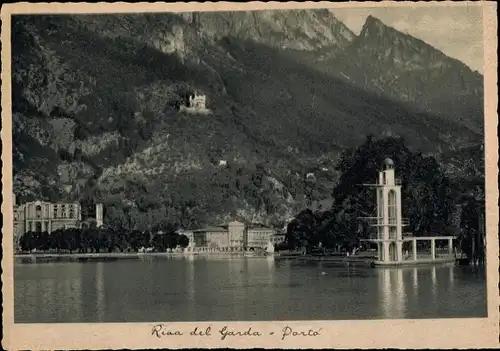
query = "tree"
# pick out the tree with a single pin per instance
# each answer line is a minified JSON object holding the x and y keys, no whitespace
{"x":300,"y":231}
{"x":183,"y":241}
{"x":158,"y":242}
{"x":471,"y":238}
{"x":170,"y":240}
{"x":71,"y":239}
{"x":27,"y":241}
{"x":427,"y":192}
{"x":137,"y":239}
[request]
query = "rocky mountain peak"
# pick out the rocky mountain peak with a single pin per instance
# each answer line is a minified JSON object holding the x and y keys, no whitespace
{"x":373,"y":27}
{"x":285,"y":29}
{"x":400,"y":48}
{"x":376,"y":31}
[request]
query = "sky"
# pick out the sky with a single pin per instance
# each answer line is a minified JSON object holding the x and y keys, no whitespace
{"x":457,"y":31}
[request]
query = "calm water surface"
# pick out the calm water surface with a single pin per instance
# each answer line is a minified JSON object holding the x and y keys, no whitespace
{"x":199,"y":289}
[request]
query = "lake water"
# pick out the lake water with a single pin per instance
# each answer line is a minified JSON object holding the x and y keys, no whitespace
{"x":200,"y":289}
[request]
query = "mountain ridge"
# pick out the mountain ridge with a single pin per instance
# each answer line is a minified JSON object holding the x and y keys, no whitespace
{"x":404,"y":68}
{"x":109,"y":127}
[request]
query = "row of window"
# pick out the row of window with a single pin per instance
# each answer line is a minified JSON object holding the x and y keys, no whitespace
{"x":58,"y":211}
{"x":259,"y":234}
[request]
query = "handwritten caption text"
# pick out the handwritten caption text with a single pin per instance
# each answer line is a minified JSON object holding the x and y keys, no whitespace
{"x":226,"y":332}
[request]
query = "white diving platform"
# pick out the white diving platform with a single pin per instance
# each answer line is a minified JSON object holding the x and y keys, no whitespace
{"x":389,"y":224}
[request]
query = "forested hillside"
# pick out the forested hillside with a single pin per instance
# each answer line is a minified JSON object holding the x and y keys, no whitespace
{"x":95,"y":112}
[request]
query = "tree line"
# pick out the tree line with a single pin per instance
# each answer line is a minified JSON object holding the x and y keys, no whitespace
{"x":95,"y":240}
{"x":434,"y":203}
{"x":431,"y":201}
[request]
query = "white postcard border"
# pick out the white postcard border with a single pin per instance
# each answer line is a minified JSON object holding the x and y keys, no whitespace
{"x":435,"y":333}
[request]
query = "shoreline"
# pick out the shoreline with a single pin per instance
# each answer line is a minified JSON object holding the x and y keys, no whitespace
{"x":25,"y":258}
{"x":105,"y":256}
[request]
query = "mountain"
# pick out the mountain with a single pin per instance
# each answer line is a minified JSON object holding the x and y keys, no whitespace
{"x":307,"y":30}
{"x":386,"y":62}
{"x":109,"y":127}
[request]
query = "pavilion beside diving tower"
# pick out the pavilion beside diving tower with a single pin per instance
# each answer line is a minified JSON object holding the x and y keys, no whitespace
{"x":389,"y":224}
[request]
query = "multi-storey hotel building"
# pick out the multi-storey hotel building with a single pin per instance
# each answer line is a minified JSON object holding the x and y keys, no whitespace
{"x":43,"y":216}
{"x":235,"y":237}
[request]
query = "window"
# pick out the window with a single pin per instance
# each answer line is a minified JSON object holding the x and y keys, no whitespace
{"x":71,"y":211}
{"x":381,"y":203}
{"x":38,"y":211}
{"x":54,"y":215}
{"x":63,"y":211}
{"x":392,"y":207}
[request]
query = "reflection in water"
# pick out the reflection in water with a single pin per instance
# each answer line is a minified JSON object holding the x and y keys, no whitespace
{"x":76,"y":289}
{"x":451,"y":272}
{"x":190,"y":278}
{"x":386,"y":289}
{"x":100,"y":305}
{"x":48,"y":288}
{"x":190,"y":283}
{"x":271,"y":270}
{"x":393,"y":292}
{"x":185,"y":289}
{"x":434,"y":284}
{"x":415,"y":279}
{"x":400,"y":295}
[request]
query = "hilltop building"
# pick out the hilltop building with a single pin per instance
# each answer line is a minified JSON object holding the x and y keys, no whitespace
{"x":195,"y":104}
{"x":389,"y":225}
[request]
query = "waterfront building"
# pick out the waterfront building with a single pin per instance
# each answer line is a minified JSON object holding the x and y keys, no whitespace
{"x":44,"y":216}
{"x":278,"y":238}
{"x":237,"y":235}
{"x":259,"y":237}
{"x":211,"y":237}
{"x":389,"y":224}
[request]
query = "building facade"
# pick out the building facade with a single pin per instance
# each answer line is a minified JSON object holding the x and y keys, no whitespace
{"x":196,"y":104}
{"x":278,"y":238}
{"x":211,"y":237}
{"x":43,"y":216}
{"x":236,"y":237}
{"x":259,"y":237}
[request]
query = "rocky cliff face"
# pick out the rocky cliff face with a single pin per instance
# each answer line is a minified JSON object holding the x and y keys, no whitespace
{"x":298,"y":30}
{"x":288,"y":91}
